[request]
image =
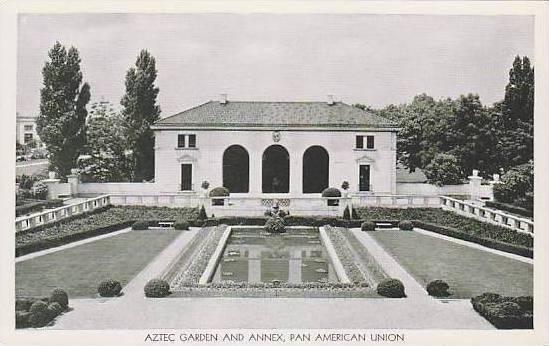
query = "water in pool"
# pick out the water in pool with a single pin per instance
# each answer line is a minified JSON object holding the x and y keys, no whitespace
{"x":253,"y":255}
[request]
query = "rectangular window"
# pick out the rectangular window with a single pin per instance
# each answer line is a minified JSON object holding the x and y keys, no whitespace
{"x":192,"y":141}
{"x":369,"y":142}
{"x":359,"y":142}
{"x":186,"y":177}
{"x":181,"y":141}
{"x":28,"y":127}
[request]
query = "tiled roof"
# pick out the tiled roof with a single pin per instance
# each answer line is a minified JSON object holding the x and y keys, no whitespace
{"x":279,"y":114}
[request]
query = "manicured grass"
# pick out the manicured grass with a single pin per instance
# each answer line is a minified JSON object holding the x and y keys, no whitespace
{"x":80,"y":269}
{"x":469,"y":272}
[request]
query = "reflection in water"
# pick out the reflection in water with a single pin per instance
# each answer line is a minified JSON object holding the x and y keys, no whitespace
{"x":252,"y":255}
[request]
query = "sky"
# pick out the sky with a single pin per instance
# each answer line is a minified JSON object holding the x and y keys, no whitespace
{"x":359,"y":58}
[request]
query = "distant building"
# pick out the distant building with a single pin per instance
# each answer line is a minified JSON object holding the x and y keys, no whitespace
{"x":26,"y":130}
{"x":292,"y":148}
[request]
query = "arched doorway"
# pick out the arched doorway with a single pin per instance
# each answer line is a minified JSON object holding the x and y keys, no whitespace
{"x":236,"y":169}
{"x":316,"y":164}
{"x":276,"y":170}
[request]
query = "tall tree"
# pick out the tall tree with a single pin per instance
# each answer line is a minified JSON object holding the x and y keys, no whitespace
{"x":105,"y":159}
{"x":63,"y":99}
{"x":516,"y":115}
{"x":140,"y":111}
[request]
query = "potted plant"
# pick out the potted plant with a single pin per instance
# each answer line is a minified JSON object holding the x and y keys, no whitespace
{"x":330,"y":193}
{"x":220,"y":191}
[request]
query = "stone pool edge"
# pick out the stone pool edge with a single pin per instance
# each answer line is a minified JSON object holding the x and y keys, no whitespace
{"x":216,"y":256}
{"x":336,"y":262}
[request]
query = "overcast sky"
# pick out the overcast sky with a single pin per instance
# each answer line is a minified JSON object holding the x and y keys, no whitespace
{"x":371,"y":59}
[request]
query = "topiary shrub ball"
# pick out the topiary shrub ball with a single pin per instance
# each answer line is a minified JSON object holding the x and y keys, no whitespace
{"x":367,"y":226}
{"x":39,"y":315}
{"x":109,"y":288}
{"x":182,"y":225}
{"x":331,"y":192}
{"x":438,"y":288}
{"x":406,"y":225}
{"x":157,"y":288}
{"x":54,"y":310}
{"x":59,"y":296}
{"x":220,"y":191}
{"x":140,"y":226}
{"x":391,"y":288}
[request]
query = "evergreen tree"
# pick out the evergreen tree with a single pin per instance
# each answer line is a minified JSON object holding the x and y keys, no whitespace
{"x":140,"y":111}
{"x":63,"y":99}
{"x":515,"y":115}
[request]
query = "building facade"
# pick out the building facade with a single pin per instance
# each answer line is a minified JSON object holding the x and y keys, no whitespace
{"x":275,"y":149}
{"x":26,"y":130}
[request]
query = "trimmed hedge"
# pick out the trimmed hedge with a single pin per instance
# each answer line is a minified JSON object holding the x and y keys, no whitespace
{"x":47,"y":243}
{"x":32,"y":312}
{"x":140,"y":225}
{"x":368,"y":226}
{"x":406,"y":225}
{"x":391,"y":288}
{"x":37,"y":206}
{"x":181,"y":225}
{"x":510,"y":208}
{"x":157,"y":288}
{"x":109,"y":288}
{"x":494,"y":244}
{"x":505,"y":312}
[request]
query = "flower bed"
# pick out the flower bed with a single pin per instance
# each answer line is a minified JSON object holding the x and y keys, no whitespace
{"x":106,"y":220}
{"x":450,"y":220}
{"x":358,"y":263}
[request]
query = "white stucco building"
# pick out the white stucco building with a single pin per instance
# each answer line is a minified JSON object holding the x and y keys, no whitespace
{"x":26,"y":130}
{"x":275,"y":148}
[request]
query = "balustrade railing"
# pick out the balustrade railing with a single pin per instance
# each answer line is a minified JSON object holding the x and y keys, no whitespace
{"x":53,"y":215}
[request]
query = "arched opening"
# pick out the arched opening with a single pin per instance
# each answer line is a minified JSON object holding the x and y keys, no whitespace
{"x":236,"y":169}
{"x":276,"y":170}
{"x":316,"y":164}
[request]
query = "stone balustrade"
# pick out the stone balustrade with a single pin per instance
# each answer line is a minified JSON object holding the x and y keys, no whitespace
{"x":27,"y":222}
{"x":479,"y":212}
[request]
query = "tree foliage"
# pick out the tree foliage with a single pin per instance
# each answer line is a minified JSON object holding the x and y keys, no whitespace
{"x":63,"y":100}
{"x":517,"y":186}
{"x":105,"y":159}
{"x":444,"y":170}
{"x":140,"y":111}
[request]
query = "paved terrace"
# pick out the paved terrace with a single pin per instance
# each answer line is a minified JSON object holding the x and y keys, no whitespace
{"x":134,"y":311}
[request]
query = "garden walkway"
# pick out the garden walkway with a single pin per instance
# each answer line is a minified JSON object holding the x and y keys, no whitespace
{"x":134,"y":311}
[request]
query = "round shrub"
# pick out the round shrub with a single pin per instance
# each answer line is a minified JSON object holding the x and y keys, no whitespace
{"x":275,"y":225}
{"x":109,"y":288}
{"x":140,"y":226}
{"x":22,"y":319}
{"x":23,"y":304}
{"x":182,"y":225}
{"x":368,"y":226}
{"x":220,"y":191}
{"x":331,"y":192}
{"x":157,"y":288}
{"x":39,"y":315}
{"x":391,"y":288}
{"x":438,"y":288}
{"x":59,"y":296}
{"x":406,"y":225}
{"x":54,"y":310}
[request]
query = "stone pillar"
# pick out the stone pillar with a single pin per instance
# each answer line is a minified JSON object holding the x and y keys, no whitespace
{"x":296,"y":174}
{"x":73,"y":179}
{"x":493,"y":183}
{"x":474,"y":186}
{"x":53,"y":187}
{"x":255,"y":179}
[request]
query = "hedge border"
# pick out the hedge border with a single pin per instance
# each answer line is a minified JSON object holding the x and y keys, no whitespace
{"x":494,"y":244}
{"x":510,"y":208}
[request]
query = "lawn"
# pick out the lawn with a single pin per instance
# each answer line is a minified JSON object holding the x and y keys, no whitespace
{"x":79,"y":270}
{"x":468,"y":271}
